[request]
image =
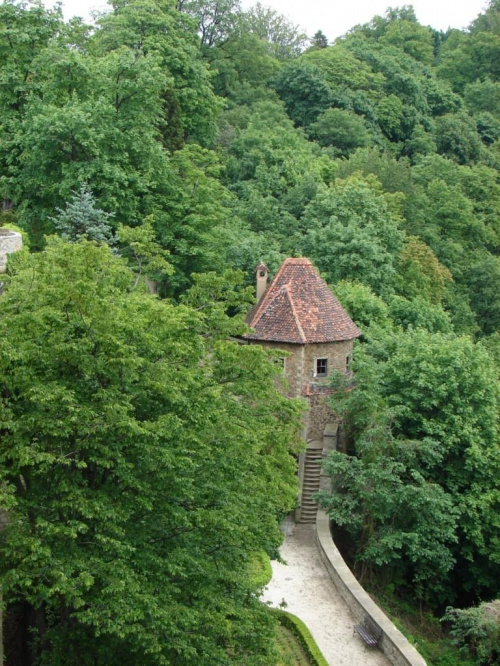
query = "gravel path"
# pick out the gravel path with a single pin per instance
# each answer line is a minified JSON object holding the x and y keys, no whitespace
{"x":304,"y":584}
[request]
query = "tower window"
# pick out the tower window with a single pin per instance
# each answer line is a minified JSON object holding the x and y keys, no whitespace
{"x":321,"y":367}
{"x":279,"y":362}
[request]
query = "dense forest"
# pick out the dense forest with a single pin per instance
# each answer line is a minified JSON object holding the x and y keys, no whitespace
{"x":144,"y":455}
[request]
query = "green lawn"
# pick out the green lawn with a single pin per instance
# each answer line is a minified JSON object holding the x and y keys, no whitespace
{"x":293,"y":654}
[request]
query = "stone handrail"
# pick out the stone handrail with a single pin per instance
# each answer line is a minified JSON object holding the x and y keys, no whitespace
{"x":394,"y":645}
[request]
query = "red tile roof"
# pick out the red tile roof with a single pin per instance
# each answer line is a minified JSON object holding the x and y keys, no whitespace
{"x":298,"y":307}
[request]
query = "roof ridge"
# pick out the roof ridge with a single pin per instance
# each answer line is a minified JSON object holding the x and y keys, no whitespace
{"x":288,"y":292}
{"x":298,"y":261}
{"x":265,"y":298}
{"x":299,"y":307}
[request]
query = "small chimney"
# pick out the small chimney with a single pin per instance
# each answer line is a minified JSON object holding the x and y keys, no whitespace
{"x":262,"y":272}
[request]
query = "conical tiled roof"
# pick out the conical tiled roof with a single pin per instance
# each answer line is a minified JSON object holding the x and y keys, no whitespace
{"x":298,"y":307}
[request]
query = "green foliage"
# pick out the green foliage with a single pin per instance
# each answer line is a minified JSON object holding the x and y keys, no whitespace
{"x":291,"y":651}
{"x":362,"y":304}
{"x":197,"y":206}
{"x":412,"y":38}
{"x":26,"y":31}
{"x":259,"y":569}
{"x":377,"y":156}
{"x":420,"y":627}
{"x":342,"y":130}
{"x":215,"y":20}
{"x":105,"y":112}
{"x":144,"y":457}
{"x":284,"y":40}
{"x":477,"y":630}
{"x":450,"y":210}
{"x":488,"y":127}
{"x":483,"y":96}
{"x":104,"y":136}
{"x":457,"y":138}
{"x":319,"y":40}
{"x":394,"y":175}
{"x":390,"y":114}
{"x":420,"y":274}
{"x":143,"y":252}
{"x":400,"y":28}
{"x":399,"y":519}
{"x":353,"y":234}
{"x":419,"y":313}
{"x":483,"y":276}
{"x":423,"y":418}
{"x":242,"y":66}
{"x":155,"y":27}
{"x":467,"y":57}
{"x":341,"y":68}
{"x":304,"y":90}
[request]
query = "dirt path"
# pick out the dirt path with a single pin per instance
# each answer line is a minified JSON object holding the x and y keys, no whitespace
{"x":308,"y":591}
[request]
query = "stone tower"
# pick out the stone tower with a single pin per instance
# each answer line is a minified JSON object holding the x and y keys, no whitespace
{"x":299,"y":314}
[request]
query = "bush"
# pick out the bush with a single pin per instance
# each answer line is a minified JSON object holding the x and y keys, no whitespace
{"x":303,"y":635}
{"x":476,"y":630}
{"x":259,"y":569}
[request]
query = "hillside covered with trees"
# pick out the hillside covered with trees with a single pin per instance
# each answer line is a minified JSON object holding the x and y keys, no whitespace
{"x":144,"y":455}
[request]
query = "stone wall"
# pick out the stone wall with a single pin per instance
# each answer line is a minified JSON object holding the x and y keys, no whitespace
{"x":394,"y":645}
{"x":10,"y":241}
{"x":320,"y":415}
{"x":299,"y":373}
{"x":294,"y":363}
{"x":300,"y":364}
{"x":335,"y":352}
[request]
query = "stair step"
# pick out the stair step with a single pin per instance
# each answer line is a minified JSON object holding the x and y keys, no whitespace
{"x":310,"y":485}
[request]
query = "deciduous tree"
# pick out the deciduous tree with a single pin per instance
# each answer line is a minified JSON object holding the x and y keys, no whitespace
{"x":144,"y":456}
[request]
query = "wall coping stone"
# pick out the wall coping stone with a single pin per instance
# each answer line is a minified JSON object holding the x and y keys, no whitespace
{"x":394,"y":645}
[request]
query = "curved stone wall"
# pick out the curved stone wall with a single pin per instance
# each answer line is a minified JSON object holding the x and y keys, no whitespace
{"x":394,"y":645}
{"x":10,"y":241}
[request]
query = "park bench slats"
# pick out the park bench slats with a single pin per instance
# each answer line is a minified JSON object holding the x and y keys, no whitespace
{"x":369,"y":632}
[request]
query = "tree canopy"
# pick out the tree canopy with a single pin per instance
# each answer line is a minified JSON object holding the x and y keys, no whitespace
{"x":144,"y":458}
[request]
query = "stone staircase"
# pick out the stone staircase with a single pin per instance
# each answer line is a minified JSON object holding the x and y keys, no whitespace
{"x":310,"y":485}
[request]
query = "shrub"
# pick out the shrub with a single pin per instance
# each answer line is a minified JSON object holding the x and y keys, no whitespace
{"x":303,"y":635}
{"x":476,"y":630}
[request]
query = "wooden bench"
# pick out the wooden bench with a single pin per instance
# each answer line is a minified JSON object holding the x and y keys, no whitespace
{"x":369,"y":631}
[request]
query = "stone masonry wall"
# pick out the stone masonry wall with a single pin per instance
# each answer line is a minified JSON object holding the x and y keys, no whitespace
{"x":320,"y":415}
{"x":300,"y":364}
{"x":10,"y":241}
{"x":299,"y":372}
{"x":294,"y":362}
{"x":335,"y":352}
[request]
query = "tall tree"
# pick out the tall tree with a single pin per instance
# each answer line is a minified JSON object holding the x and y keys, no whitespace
{"x":144,"y":456}
{"x":424,"y":413}
{"x":353,"y":233}
{"x":319,"y":40}
{"x":285,"y":40}
{"x":216,"y":19}
{"x":155,"y":27}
